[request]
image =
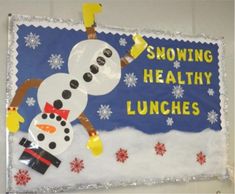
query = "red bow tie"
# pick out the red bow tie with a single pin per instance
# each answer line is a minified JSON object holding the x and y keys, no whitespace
{"x":51,"y":109}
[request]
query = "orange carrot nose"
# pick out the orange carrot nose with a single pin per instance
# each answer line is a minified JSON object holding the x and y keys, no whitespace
{"x":47,"y":128}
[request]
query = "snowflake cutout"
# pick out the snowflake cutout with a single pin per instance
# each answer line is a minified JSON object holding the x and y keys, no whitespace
{"x":211,"y":92}
{"x":169,"y":121}
{"x":30,"y":101}
{"x":122,"y":42}
{"x":176,"y":64}
{"x":55,"y":61}
{"x":160,"y":149}
{"x":76,"y":165}
{"x":201,"y":158}
{"x":130,"y":80}
{"x":104,"y":111}
{"x":178,"y":91}
{"x":212,"y":117}
{"x":22,"y":177}
{"x":121,"y":155}
{"x":32,"y":40}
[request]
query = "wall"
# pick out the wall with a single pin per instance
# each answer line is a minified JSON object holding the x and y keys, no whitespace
{"x":212,"y":17}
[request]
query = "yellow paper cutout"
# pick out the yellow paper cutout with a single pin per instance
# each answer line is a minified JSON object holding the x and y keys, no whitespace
{"x":13,"y":120}
{"x":95,"y":145}
{"x":139,"y":46}
{"x":88,"y":11}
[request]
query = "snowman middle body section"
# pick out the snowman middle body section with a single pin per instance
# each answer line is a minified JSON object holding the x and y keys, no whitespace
{"x":61,"y":99}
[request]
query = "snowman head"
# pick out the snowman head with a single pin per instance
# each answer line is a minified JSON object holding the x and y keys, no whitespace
{"x":96,"y":64}
{"x":51,"y":132}
{"x":65,"y":93}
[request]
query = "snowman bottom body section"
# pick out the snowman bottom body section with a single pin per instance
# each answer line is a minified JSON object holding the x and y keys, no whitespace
{"x":36,"y":157}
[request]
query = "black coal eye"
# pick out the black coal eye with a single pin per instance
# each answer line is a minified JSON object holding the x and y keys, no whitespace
{"x":107,"y":52}
{"x":74,"y":84}
{"x":58,"y":118}
{"x":94,"y":69}
{"x":58,"y":104}
{"x":66,"y":130}
{"x":66,"y":94}
{"x":44,"y":116}
{"x":87,"y":77}
{"x":52,"y":145}
{"x":66,"y":138}
{"x":100,"y":61}
{"x":41,"y":137}
{"x":52,"y":116}
{"x":63,"y":123}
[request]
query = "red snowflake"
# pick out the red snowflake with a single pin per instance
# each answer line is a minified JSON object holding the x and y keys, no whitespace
{"x":121,"y":155}
{"x":160,"y":149}
{"x":76,"y":165}
{"x":201,"y":158}
{"x":22,"y":177}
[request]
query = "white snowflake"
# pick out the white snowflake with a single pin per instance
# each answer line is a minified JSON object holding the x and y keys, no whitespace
{"x":178,"y":91}
{"x":32,"y":40}
{"x":130,"y":80}
{"x":169,"y":121}
{"x":122,"y":42}
{"x":55,"y":61}
{"x":212,"y":117}
{"x":211,"y":92}
{"x":176,"y":64}
{"x":30,"y":101}
{"x":104,"y":111}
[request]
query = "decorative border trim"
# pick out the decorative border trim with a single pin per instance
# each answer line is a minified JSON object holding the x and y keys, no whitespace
{"x":15,"y":20}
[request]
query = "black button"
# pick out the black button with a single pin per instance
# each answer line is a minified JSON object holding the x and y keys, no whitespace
{"x":66,"y":138}
{"x":58,"y":118}
{"x":107,"y":52}
{"x":66,"y":94}
{"x":100,"y":61}
{"x":94,"y":69}
{"x":41,"y":137}
{"x":44,"y":116}
{"x":52,"y":145}
{"x":74,"y":84}
{"x":66,"y":130}
{"x":52,"y":116}
{"x":63,"y":123}
{"x":87,"y":77}
{"x":58,"y":104}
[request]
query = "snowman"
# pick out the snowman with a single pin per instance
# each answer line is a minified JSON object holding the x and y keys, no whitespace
{"x":94,"y":68}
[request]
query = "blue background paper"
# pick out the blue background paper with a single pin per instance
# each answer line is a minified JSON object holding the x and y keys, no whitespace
{"x":33,"y":64}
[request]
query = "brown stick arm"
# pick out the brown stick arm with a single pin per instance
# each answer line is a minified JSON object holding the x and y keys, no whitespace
{"x":91,"y":33}
{"x":127,"y":59}
{"x":21,"y":91}
{"x":87,"y":124}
